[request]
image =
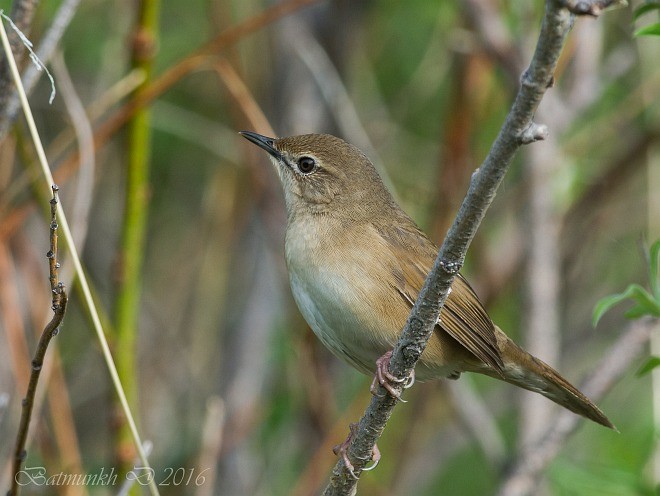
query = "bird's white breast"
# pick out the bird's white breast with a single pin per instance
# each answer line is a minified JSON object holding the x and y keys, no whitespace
{"x":335,"y":292}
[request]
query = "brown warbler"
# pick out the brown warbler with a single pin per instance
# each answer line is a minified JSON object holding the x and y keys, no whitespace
{"x":356,"y":263}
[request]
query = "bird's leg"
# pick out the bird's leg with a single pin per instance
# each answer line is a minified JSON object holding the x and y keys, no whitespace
{"x":341,"y":450}
{"x":385,"y":378}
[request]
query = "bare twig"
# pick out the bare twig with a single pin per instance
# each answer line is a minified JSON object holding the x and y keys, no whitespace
{"x":518,"y":129}
{"x":52,"y":374}
{"x":528,"y":467}
{"x":52,"y":328}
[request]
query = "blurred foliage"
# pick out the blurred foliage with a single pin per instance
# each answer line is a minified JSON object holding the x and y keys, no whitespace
{"x":647,"y":7}
{"x":217,"y":318}
{"x":645,"y":302}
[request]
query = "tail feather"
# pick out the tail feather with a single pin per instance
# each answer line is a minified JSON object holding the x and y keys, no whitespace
{"x":528,"y":372}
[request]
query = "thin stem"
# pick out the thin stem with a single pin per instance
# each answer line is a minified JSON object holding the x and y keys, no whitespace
{"x":136,"y":207}
{"x":59,"y":300}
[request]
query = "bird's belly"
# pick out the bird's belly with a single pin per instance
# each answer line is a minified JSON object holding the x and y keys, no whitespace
{"x":336,"y":311}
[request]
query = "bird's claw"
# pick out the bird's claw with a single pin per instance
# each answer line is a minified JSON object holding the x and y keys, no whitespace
{"x":342,"y":449}
{"x":385,"y":378}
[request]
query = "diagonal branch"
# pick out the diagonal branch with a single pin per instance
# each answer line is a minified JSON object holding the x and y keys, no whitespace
{"x":518,"y":129}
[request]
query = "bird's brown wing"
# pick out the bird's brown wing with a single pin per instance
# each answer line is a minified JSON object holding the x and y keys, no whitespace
{"x":466,"y":320}
{"x":463,"y":316}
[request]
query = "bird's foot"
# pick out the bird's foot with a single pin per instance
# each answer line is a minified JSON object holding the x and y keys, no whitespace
{"x":385,"y":378}
{"x":341,"y":450}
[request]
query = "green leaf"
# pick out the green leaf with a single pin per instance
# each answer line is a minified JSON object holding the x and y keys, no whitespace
{"x":644,"y":299}
{"x":648,"y":366}
{"x":646,"y":7}
{"x":650,"y":30}
{"x":635,"y":312}
{"x":638,"y":311}
{"x":645,"y":304}
{"x":604,"y":304}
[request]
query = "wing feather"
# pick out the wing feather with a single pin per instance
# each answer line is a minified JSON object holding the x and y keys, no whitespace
{"x":463,"y":316}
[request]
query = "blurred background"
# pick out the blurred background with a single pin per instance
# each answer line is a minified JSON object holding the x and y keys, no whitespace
{"x":180,"y":223}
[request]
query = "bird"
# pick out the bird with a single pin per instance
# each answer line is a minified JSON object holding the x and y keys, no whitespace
{"x":357,"y":261}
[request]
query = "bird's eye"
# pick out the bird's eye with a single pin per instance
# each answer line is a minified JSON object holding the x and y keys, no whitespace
{"x":306,"y":164}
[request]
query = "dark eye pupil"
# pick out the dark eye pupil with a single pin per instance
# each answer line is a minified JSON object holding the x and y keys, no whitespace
{"x":306,"y":164}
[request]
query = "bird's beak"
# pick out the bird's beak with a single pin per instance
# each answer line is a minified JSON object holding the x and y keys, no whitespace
{"x":264,"y":142}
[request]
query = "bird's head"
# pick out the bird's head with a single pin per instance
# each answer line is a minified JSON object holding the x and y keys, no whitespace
{"x":324,"y":174}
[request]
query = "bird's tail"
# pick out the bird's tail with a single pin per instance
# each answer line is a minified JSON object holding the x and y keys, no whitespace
{"x":528,"y":372}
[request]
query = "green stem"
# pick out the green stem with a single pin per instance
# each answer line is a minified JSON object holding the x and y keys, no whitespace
{"x":135,"y":220}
